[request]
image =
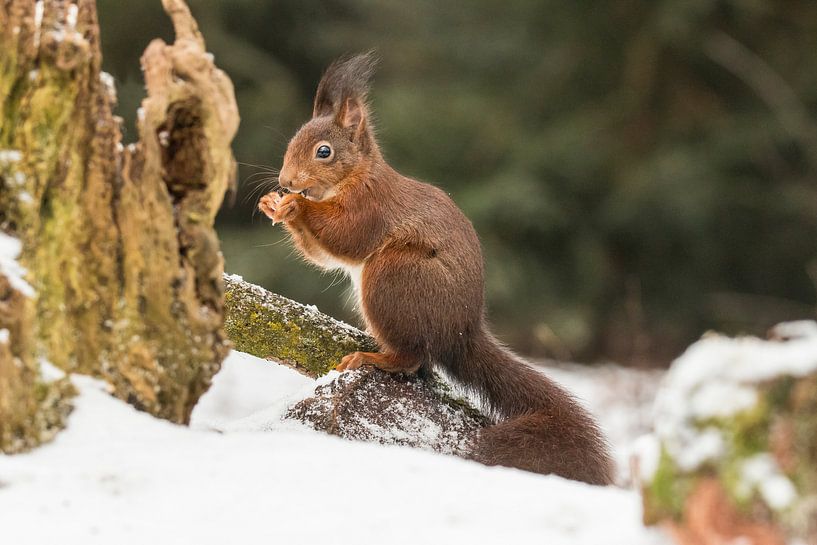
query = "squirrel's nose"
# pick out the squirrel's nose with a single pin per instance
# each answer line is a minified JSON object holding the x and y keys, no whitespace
{"x":285,"y":178}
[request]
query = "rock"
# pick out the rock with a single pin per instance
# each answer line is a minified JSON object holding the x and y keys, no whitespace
{"x":371,"y":405}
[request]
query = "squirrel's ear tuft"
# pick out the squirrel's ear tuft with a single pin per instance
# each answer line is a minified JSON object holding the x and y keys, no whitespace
{"x":346,"y":79}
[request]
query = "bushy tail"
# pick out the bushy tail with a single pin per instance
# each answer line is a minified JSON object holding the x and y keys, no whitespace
{"x":541,"y":428}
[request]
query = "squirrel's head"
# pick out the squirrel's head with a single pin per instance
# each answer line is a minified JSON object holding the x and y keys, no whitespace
{"x":338,"y":138}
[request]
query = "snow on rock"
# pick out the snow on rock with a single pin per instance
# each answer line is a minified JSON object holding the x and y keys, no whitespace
{"x":761,"y":473}
{"x":717,"y":378}
{"x":799,"y":329}
{"x":116,"y":475}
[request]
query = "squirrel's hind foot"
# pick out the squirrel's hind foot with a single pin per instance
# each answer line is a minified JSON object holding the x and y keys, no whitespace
{"x":391,"y":363}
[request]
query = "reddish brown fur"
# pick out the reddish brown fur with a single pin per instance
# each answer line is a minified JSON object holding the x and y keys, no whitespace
{"x":421,"y":287}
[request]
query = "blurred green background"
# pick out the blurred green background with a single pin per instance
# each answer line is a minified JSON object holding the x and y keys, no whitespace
{"x":638,"y":171}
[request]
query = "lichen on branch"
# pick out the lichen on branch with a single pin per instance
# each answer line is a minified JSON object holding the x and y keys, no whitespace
{"x":269,"y":325}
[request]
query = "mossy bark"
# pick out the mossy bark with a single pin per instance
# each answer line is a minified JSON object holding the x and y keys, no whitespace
{"x":268,"y":325}
{"x":118,"y":242}
{"x":31,"y":409}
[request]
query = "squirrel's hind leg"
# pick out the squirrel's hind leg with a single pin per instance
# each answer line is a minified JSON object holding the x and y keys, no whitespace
{"x":391,"y":363}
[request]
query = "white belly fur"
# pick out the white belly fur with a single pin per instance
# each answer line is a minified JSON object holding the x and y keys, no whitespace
{"x":354,"y":272}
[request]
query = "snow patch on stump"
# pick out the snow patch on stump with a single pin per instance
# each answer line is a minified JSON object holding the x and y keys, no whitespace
{"x":741,"y":415}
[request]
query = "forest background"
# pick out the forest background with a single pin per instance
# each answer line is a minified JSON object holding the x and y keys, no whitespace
{"x":639,"y":172}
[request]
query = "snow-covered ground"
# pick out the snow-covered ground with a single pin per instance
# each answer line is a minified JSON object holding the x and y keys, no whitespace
{"x":240,"y":475}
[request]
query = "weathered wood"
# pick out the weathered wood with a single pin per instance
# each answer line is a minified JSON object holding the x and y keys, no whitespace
{"x":118,"y":242}
{"x":32,"y":409}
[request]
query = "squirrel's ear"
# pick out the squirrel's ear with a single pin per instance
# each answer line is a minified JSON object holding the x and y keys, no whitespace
{"x":352,"y":116}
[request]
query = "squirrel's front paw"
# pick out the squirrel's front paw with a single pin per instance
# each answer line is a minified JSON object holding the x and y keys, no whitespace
{"x":269,"y":203}
{"x":280,"y":208}
{"x":288,"y":208}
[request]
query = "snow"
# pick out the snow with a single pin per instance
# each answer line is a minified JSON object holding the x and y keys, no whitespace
{"x":109,"y":84}
{"x":10,"y":156}
{"x":246,"y":386}
{"x":704,"y":446}
{"x":49,"y":372}
{"x":762,"y":473}
{"x":71,"y":16}
{"x":646,"y":455}
{"x":39,"y":10}
{"x":116,"y":475}
{"x":10,"y":248}
{"x":711,"y":376}
{"x":795,"y":330}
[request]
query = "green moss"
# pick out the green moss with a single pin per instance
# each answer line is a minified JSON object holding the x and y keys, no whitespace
{"x":748,"y":431}
{"x":779,"y":392}
{"x":745,"y":434}
{"x":665,"y":495}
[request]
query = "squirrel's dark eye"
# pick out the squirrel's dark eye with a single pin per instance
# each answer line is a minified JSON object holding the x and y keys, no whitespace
{"x":323,"y":152}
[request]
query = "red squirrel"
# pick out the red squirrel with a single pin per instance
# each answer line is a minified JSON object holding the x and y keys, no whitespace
{"x":416,"y":266}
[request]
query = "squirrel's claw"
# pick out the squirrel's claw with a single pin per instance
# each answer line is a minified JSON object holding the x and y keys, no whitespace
{"x":288,"y":208}
{"x":278,"y":208}
{"x":268,"y":204}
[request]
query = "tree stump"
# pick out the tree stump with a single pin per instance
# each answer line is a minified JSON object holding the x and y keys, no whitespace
{"x":735,"y":449}
{"x":118,"y":241}
{"x":32,"y":408}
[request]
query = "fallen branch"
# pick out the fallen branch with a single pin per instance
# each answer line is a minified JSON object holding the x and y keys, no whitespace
{"x":270,"y":326}
{"x":364,"y":405}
